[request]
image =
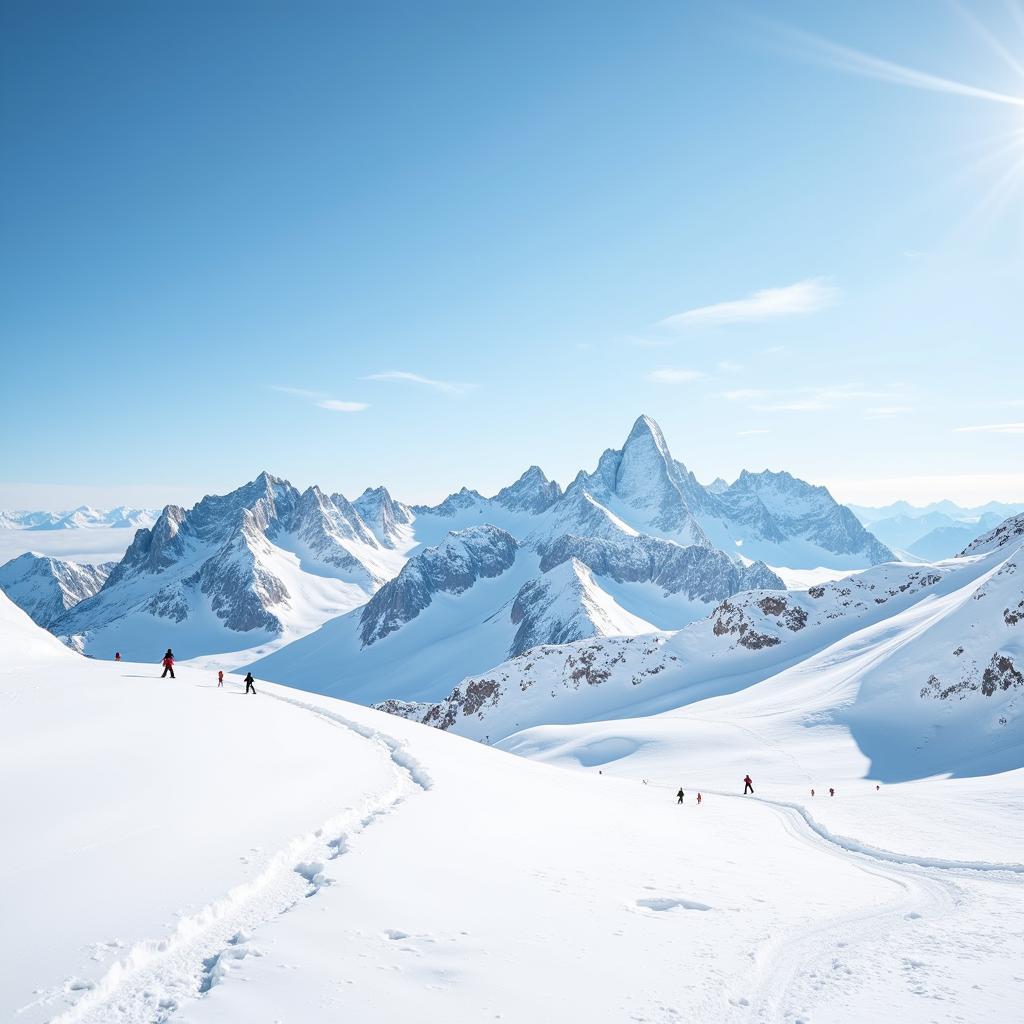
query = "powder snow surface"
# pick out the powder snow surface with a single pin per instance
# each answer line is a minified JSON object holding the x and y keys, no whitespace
{"x":178,"y":852}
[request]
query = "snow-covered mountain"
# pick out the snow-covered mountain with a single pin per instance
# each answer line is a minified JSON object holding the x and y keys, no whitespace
{"x":265,"y":565}
{"x":642,"y":489}
{"x":47,"y":587}
{"x":82,"y":518}
{"x":482,"y":595}
{"x":252,"y":567}
{"x":455,"y":608}
{"x":916,"y":637}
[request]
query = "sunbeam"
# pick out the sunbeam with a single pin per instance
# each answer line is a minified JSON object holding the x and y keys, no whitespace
{"x":844,"y":58}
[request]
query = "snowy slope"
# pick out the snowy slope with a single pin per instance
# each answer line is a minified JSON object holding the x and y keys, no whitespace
{"x":47,"y":587}
{"x":752,"y":638}
{"x":455,"y":608}
{"x":174,"y":853}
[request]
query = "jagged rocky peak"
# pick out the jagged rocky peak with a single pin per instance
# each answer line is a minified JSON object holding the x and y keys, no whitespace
{"x":718,"y":485}
{"x":218,"y":515}
{"x":153,"y":548}
{"x":382,"y":514}
{"x":323,"y":526}
{"x":453,"y":566}
{"x":658,"y":493}
{"x":46,"y":587}
{"x":462,"y":499}
{"x":781,"y":491}
{"x":532,"y":492}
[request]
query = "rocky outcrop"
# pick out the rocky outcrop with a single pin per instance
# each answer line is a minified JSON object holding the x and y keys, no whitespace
{"x":465,"y":556}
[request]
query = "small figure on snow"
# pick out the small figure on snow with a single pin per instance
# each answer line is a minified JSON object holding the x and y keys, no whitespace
{"x":117,"y":655}
{"x":168,"y":664}
{"x":248,"y":683}
{"x":699,"y":799}
{"x":220,"y":678}
{"x":812,"y":792}
{"x":831,"y":791}
{"x":748,"y":785}
{"x":681,"y":795}
{"x":877,"y":787}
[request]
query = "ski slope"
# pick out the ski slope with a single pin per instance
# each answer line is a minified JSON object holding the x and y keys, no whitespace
{"x":179,"y":852}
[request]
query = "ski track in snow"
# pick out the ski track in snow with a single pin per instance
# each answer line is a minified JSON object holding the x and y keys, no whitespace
{"x":823,"y":961}
{"x":158,"y":976}
{"x":790,"y":974}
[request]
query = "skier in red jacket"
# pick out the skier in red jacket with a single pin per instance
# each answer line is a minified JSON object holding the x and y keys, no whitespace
{"x":168,"y":664}
{"x":220,"y":678}
{"x":117,"y":655}
{"x":748,"y":785}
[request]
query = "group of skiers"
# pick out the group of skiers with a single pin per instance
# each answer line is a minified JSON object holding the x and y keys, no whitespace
{"x":168,"y":663}
{"x":748,"y":787}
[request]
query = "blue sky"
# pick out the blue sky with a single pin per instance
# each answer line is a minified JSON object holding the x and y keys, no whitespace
{"x":430,"y":244}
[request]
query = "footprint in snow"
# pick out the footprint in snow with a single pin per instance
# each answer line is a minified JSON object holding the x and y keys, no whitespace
{"x":662,"y":903}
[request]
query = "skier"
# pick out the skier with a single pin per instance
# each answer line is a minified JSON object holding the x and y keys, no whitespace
{"x":699,"y":798}
{"x":812,"y":792}
{"x":248,"y":682}
{"x":831,"y":791}
{"x":748,"y":785}
{"x":117,"y":655}
{"x":680,"y":794}
{"x":220,"y":678}
{"x":168,"y":664}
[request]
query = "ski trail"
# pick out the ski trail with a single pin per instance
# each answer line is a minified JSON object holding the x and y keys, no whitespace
{"x":876,"y":853}
{"x":157,"y":976}
{"x":826,"y":961}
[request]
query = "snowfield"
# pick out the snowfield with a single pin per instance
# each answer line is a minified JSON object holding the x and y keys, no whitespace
{"x":175,"y":853}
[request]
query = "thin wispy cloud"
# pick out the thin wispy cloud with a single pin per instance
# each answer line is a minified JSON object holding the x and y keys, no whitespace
{"x":727,"y":366}
{"x":814,"y":48}
{"x":338,"y":406}
{"x":448,"y":387}
{"x":992,"y":428}
{"x":675,"y":376}
{"x":320,"y":400}
{"x":798,"y":299}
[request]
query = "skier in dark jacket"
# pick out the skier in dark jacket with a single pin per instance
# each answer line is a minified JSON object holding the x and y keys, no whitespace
{"x":248,"y":683}
{"x":748,"y":785}
{"x":680,"y":795}
{"x":168,"y":664}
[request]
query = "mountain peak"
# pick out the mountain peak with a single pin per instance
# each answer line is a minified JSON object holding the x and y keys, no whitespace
{"x":646,"y":428}
{"x":532,"y":492}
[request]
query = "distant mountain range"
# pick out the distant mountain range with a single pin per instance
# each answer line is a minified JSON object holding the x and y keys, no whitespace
{"x":934,"y":531}
{"x":83,"y":517}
